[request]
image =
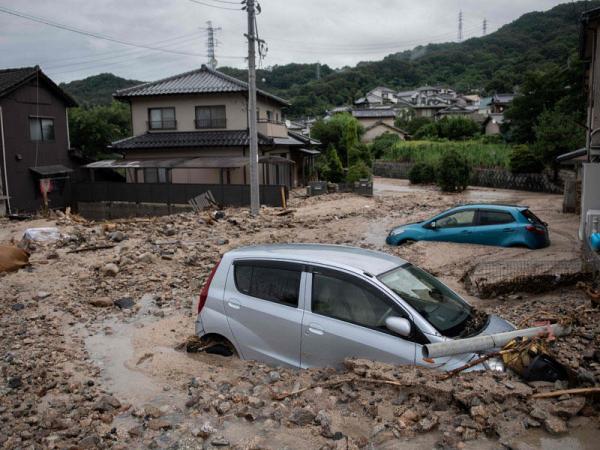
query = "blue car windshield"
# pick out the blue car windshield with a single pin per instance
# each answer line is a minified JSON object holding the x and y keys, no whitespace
{"x":441,"y":307}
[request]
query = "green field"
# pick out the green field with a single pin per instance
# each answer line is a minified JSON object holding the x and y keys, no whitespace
{"x":480,"y":154}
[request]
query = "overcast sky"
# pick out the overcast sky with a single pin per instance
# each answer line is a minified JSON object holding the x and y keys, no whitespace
{"x":333,"y":32}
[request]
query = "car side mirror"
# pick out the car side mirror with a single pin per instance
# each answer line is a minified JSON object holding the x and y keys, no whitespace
{"x":398,"y":325}
{"x":432,"y":225}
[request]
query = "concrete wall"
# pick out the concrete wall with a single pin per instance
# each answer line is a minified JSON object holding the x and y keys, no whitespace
{"x":119,"y":210}
{"x":185,"y":110}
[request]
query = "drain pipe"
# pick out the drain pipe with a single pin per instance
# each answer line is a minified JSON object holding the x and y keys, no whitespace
{"x":481,"y":343}
{"x":4,"y":161}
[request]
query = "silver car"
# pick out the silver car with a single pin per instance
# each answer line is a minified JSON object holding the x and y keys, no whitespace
{"x":312,"y":305}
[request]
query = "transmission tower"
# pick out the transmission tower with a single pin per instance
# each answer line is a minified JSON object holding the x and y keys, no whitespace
{"x":484,"y":27}
{"x":318,"y":74}
{"x":460,"y":26}
{"x":211,"y":44}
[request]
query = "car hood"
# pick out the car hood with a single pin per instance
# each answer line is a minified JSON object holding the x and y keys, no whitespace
{"x":405,"y":225}
{"x":496,"y":324}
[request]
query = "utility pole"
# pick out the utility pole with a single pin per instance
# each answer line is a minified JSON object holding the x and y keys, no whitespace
{"x":484,"y":27}
{"x":253,"y":136}
{"x":211,"y":44}
{"x":460,"y":26}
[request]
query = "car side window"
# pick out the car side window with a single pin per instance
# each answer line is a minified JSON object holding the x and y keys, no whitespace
{"x":341,"y":298}
{"x":488,"y":217}
{"x":458,"y":219}
{"x":279,"y":285}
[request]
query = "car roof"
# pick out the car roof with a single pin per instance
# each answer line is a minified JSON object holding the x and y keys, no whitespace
{"x":353,"y":258}
{"x":497,"y":206}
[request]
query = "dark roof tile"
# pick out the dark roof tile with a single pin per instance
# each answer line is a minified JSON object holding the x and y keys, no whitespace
{"x":181,"y":139}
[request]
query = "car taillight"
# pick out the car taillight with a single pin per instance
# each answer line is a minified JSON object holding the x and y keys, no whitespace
{"x":206,"y":287}
{"x":535,"y":230}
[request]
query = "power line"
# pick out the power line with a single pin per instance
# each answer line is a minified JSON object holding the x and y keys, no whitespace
{"x":61,"y":26}
{"x":215,"y":6}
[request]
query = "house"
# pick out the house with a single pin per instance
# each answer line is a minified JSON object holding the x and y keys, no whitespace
{"x":500,"y":102}
{"x":378,"y":96}
{"x":368,"y":117}
{"x":590,"y":54}
{"x":192,"y":128}
{"x":380,"y":127}
{"x":35,"y":166}
{"x":485,"y":105}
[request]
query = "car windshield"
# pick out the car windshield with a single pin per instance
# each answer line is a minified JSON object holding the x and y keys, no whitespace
{"x":441,"y":307}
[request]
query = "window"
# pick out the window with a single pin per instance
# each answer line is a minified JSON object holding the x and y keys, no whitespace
{"x":531,"y":217}
{"x":339,"y":297}
{"x":458,"y":219}
{"x":268,"y":282}
{"x":269,"y":115}
{"x":487,"y":217}
{"x":211,"y":117}
{"x":161,"y":119}
{"x":155,"y":175}
{"x":41,"y":129}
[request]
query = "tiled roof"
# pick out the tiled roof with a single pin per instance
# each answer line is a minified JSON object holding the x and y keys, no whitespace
{"x":11,"y":79}
{"x":373,"y":113}
{"x":200,"y":81}
{"x":181,"y":139}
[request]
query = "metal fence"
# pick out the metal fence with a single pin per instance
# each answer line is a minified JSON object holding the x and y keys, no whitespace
{"x":176,"y":194}
{"x":491,"y":278}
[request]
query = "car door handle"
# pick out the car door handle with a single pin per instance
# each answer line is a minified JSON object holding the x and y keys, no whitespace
{"x":315,"y":329}
{"x":234,"y":304}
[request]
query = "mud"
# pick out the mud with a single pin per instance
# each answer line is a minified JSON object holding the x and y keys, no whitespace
{"x":79,"y":372}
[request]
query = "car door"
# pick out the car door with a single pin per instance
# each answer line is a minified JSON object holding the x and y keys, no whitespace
{"x":454,"y":227}
{"x":344,"y":318}
{"x":495,"y":227}
{"x":264,"y":311}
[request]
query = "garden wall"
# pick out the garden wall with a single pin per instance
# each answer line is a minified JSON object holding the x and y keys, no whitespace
{"x":495,"y":178}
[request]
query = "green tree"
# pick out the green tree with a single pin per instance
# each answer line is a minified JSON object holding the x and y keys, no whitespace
{"x":383,"y":143}
{"x":330,"y":166}
{"x":557,"y":133}
{"x":361,"y":152}
{"x":340,"y":130}
{"x":453,"y":172}
{"x":92,"y":129}
{"x":358,"y":171}
{"x":413,"y":125}
{"x":524,"y":159}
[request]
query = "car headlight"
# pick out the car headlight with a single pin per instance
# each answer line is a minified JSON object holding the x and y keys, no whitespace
{"x":397,"y":231}
{"x":494,"y":364}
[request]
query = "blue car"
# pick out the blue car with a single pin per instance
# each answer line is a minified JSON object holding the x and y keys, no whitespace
{"x":501,"y":225}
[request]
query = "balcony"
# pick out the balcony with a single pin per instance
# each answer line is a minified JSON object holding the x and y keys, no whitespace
{"x":272,"y":128}
{"x":210,"y":123}
{"x":154,"y":125}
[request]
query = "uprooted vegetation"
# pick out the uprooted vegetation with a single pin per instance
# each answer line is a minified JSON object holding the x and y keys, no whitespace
{"x":129,"y":287}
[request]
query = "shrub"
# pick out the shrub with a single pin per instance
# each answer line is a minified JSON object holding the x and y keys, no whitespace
{"x":332,"y":169}
{"x":382,"y":144}
{"x":357,"y":172}
{"x":525,"y":159}
{"x":453,"y":173}
{"x":360,"y":152}
{"x":422,"y":173}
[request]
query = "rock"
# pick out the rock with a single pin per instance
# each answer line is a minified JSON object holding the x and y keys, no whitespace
{"x":110,"y":270}
{"x":427,"y":424}
{"x":14,"y":382}
{"x":223,"y":407}
{"x":204,"y":431}
{"x":255,"y":402}
{"x":40,"y":295}
{"x":274,"y":376}
{"x":554,"y":425}
{"x":538,"y":413}
{"x":91,"y":441}
{"x":107,"y":403}
{"x":219,"y":215}
{"x":146,"y":258}
{"x":222,"y":241}
{"x":17,"y":306}
{"x":585,"y":376}
{"x":152,"y":411}
{"x":159,"y":424}
{"x":302,"y":416}
{"x":117,"y":236}
{"x":125,"y":303}
{"x":219,"y":441}
{"x":137,"y":431}
{"x":568,"y":408}
{"x":101,"y":302}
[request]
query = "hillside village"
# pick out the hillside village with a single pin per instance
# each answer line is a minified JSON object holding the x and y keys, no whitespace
{"x":382,"y":256}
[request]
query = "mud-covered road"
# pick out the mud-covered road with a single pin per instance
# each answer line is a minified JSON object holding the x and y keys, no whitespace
{"x":91,"y":341}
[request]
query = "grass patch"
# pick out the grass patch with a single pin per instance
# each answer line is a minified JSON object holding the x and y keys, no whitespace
{"x":479,"y":154}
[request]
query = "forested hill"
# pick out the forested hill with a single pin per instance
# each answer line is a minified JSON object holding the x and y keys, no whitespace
{"x":493,"y":63}
{"x":98,"y":89}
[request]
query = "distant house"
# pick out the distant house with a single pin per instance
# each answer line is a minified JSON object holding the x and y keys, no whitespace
{"x":378,"y":96}
{"x":368,"y":117}
{"x":500,"y":102}
{"x":35,"y":166}
{"x":492,"y":124}
{"x":192,"y":128}
{"x":485,"y":105}
{"x":378,"y":128}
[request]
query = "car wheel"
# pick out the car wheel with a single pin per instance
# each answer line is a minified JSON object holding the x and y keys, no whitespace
{"x":406,"y":241}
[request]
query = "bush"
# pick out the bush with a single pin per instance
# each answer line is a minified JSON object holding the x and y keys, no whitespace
{"x":357,"y":172}
{"x":525,"y":159}
{"x":382,"y":144}
{"x":453,"y":173}
{"x":422,"y":173}
{"x":330,"y":166}
{"x":360,"y":152}
{"x":452,"y":128}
